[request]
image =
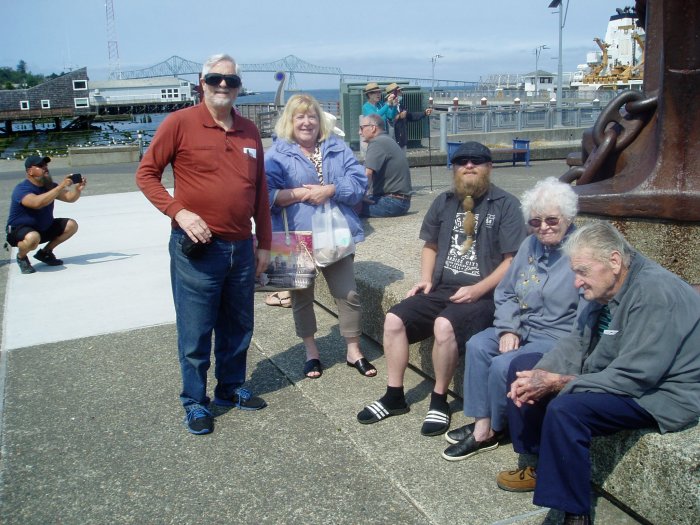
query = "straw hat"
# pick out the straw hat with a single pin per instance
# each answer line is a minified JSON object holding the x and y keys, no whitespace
{"x":391,"y":87}
{"x":372,"y":86}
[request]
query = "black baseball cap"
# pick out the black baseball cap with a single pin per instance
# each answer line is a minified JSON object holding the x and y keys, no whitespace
{"x":471,"y":150}
{"x":35,"y":160}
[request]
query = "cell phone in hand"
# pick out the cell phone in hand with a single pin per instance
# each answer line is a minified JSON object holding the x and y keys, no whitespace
{"x":77,"y":178}
{"x":191,"y":249}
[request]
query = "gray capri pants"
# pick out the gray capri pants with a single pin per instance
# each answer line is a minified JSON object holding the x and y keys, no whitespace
{"x":340,"y":277}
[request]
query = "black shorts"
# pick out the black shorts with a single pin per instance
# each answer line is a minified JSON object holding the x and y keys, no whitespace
{"x":16,"y":234}
{"x":419,"y":312}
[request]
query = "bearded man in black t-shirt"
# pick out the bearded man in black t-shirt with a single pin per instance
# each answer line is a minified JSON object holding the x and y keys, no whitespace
{"x":471,"y":234}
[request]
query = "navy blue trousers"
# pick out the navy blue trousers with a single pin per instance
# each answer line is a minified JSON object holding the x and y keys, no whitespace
{"x":560,"y":429}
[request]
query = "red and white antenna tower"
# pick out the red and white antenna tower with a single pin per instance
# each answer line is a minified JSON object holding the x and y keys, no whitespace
{"x":112,"y":45}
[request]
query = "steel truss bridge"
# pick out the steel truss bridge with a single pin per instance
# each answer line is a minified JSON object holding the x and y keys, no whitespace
{"x":290,"y":65}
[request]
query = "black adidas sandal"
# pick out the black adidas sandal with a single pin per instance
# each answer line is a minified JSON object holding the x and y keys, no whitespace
{"x":377,"y":411}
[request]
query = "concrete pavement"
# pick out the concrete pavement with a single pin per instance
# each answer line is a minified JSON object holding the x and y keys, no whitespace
{"x":92,"y":427}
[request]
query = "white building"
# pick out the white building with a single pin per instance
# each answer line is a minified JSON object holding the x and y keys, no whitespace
{"x":539,"y":83}
{"x":139,"y":91}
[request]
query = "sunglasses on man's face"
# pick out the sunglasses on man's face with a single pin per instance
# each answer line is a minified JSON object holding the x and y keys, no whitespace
{"x":476,"y":161}
{"x":214,"y":79}
{"x":549,"y":221}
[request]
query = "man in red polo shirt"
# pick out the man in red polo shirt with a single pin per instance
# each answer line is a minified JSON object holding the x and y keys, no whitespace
{"x":217,"y":161}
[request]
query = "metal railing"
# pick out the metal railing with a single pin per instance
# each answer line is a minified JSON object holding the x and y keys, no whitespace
{"x":265,"y":115}
{"x":512,"y":118}
{"x":508,"y":96}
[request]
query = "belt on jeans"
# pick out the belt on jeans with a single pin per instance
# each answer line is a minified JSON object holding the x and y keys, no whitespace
{"x":398,"y":196}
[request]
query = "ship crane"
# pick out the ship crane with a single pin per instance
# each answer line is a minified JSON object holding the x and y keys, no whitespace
{"x":597,"y":70}
{"x":634,"y":71}
{"x":637,"y":70}
{"x":619,"y":63}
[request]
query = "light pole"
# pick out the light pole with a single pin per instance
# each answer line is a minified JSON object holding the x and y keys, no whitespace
{"x":432,"y":78}
{"x":560,"y":94}
{"x":538,"y":51}
{"x":139,"y":135}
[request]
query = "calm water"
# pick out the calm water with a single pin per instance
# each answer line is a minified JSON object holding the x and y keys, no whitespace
{"x":47,"y":142}
{"x":322,"y":95}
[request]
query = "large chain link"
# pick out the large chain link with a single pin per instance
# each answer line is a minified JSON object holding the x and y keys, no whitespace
{"x":613,"y":131}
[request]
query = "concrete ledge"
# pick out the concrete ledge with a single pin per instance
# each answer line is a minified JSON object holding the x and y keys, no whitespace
{"x":656,"y":476}
{"x":103,"y":155}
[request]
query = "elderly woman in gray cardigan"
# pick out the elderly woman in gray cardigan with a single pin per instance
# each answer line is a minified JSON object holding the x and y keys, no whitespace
{"x":536,"y":304}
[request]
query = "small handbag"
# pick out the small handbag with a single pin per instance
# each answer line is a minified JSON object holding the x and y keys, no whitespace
{"x":332,"y":239}
{"x":292,"y":264}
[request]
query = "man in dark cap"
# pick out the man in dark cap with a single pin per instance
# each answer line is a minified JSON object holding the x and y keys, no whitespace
{"x":31,"y":221}
{"x":471,"y":234}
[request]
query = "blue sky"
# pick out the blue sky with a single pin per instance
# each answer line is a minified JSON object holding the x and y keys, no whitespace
{"x":384,"y":38}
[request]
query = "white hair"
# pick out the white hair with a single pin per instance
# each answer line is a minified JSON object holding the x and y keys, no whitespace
{"x":215,"y":59}
{"x":600,"y":239}
{"x":549,"y":193}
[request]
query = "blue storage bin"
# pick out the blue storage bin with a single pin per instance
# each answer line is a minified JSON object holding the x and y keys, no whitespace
{"x":451,"y":149}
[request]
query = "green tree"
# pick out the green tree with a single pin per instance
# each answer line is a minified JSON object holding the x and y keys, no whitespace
{"x":9,"y":78}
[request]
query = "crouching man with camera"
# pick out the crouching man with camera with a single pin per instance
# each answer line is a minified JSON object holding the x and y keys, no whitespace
{"x":31,"y":221}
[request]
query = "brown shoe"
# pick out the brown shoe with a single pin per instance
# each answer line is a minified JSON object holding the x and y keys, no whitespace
{"x":521,"y":480}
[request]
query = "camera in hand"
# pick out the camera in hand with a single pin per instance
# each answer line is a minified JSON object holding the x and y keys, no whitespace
{"x":77,"y":178}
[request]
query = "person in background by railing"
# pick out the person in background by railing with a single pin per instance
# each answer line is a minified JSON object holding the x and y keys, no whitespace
{"x":387,"y":109}
{"x":375,"y":106}
{"x":403,"y":116}
{"x":386,"y":167}
{"x":306,"y":167}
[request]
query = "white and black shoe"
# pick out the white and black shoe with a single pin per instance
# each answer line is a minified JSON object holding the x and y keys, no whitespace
{"x":469,"y":447}
{"x":458,"y":434}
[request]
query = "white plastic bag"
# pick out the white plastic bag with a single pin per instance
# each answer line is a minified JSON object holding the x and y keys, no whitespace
{"x":332,"y":239}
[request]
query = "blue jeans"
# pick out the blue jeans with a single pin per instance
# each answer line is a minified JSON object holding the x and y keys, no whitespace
{"x":559,"y":428}
{"x":485,"y":374}
{"x":212,"y":293}
{"x":386,"y":206}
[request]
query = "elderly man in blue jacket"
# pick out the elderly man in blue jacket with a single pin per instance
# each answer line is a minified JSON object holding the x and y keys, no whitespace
{"x":632,"y":361}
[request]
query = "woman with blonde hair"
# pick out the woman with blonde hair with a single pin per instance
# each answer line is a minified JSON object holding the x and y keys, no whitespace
{"x":306,"y":167}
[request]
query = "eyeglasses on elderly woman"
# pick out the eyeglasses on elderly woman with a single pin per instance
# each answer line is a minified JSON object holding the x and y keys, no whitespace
{"x":549,"y":221}
{"x":214,"y":79}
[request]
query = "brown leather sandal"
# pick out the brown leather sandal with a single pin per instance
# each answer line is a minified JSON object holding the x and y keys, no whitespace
{"x":283,"y":299}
